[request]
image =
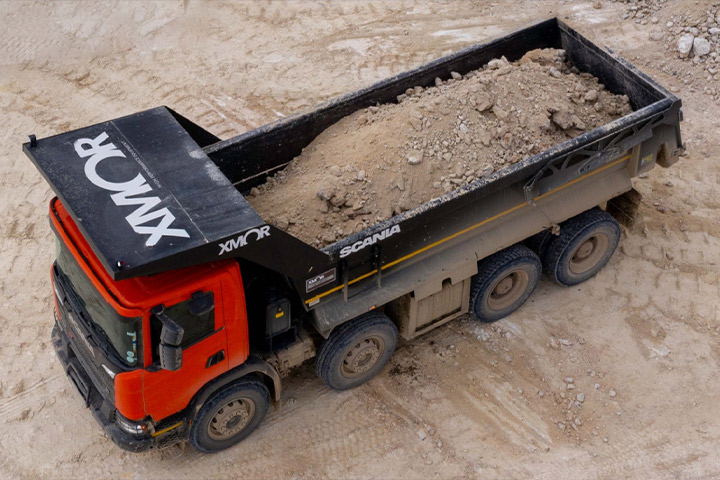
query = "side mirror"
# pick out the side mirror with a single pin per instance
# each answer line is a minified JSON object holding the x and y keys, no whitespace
{"x":170,"y":338}
{"x":202,"y":303}
{"x":170,"y":357}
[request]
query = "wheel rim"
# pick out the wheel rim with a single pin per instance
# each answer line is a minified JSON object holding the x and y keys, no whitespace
{"x":231,"y":418}
{"x":589,"y":253}
{"x":362,"y":357}
{"x":508,"y":289}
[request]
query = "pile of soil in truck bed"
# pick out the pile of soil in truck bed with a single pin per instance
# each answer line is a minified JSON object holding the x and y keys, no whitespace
{"x":389,"y":158}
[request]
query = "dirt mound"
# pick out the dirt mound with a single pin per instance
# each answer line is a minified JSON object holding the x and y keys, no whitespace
{"x":389,"y":158}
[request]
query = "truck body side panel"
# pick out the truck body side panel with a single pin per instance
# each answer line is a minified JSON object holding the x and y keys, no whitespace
{"x":501,"y":220}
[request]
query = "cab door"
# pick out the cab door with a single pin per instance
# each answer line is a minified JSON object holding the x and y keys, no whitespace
{"x":204,"y":354}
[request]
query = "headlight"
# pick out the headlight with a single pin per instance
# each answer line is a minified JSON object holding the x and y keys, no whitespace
{"x":139,"y":428}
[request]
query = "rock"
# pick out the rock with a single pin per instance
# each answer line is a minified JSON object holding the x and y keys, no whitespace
{"x":414,"y":159}
{"x":326,"y":193}
{"x":591,"y":96}
{"x":580,"y":397}
{"x":455,"y":75}
{"x":656,"y":36}
{"x":685,"y":44}
{"x":487,"y":170}
{"x":571,"y":386}
{"x":421,"y":433}
{"x":361,"y":175}
{"x":701,"y":47}
{"x":554,"y":72}
{"x":579,"y":124}
{"x":563,"y":119}
{"x":328,"y":237}
{"x":545,"y":57}
{"x":714,"y":31}
{"x":597,"y":5}
{"x":569,"y":380}
{"x":282,"y":223}
{"x":612,"y":393}
{"x":438,"y":82}
{"x":497,"y":63}
{"x":483,"y":102}
{"x":415,"y":123}
{"x":254,"y":192}
{"x":335,"y":170}
{"x":499,"y":112}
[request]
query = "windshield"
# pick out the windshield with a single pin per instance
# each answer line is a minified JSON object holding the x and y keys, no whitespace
{"x":121,"y":333}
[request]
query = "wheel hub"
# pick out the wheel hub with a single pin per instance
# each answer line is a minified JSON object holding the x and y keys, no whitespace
{"x":589,"y":253}
{"x":362,"y":357}
{"x":508,"y":289}
{"x":231,"y":419}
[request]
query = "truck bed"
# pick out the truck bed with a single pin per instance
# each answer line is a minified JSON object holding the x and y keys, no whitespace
{"x":470,"y":210}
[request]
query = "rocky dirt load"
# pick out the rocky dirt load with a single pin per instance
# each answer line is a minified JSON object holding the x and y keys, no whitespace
{"x":390,"y":158}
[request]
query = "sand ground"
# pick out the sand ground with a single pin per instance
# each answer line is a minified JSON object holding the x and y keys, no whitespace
{"x":462,"y":401}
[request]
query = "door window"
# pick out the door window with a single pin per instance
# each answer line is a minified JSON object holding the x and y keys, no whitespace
{"x":195,"y":327}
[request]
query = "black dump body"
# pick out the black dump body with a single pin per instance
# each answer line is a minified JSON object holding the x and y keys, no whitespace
{"x":200,"y":179}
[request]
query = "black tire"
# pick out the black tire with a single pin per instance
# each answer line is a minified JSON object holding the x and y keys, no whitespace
{"x":504,"y":282}
{"x":213,"y":428}
{"x":585,"y":244}
{"x":356,"y":351}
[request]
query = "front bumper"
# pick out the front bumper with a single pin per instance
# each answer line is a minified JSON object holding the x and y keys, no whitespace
{"x":102,"y":409}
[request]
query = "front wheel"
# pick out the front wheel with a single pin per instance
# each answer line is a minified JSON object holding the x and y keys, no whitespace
{"x":356,"y":351}
{"x":229,"y":416}
{"x":504,"y":282}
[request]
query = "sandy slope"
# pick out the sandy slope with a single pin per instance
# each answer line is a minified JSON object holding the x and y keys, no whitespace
{"x":462,"y":401}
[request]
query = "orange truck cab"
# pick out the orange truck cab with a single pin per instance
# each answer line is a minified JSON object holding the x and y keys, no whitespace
{"x":139,"y":403}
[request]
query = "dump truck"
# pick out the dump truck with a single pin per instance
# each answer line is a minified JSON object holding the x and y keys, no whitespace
{"x":179,"y":310}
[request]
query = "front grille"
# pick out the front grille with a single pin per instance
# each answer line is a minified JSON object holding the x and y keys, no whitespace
{"x":100,"y":379}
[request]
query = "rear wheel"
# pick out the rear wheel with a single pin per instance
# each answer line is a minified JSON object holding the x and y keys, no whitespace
{"x":504,"y":282}
{"x":230,"y":415}
{"x":585,"y":244}
{"x":356,"y":351}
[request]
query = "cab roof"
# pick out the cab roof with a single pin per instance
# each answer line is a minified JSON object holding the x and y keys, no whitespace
{"x":143,"y":192}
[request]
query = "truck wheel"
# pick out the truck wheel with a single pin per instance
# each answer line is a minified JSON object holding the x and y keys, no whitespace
{"x":503,"y":282}
{"x":585,"y":244}
{"x":356,"y":351}
{"x":230,"y":415}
